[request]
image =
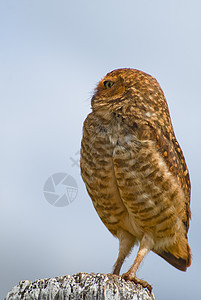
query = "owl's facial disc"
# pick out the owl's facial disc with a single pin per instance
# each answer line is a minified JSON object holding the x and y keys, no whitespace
{"x":109,"y":89}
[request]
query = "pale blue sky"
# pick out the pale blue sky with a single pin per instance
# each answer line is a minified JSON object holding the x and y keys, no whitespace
{"x":52,"y":54}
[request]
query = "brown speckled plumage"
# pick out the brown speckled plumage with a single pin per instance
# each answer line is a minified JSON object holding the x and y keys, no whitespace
{"x":135,"y":171}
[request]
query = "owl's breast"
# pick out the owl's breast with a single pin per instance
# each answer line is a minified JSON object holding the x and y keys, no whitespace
{"x":99,"y":143}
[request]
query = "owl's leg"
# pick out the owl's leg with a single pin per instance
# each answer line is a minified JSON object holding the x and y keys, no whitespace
{"x":146,"y":245}
{"x":126,"y":243}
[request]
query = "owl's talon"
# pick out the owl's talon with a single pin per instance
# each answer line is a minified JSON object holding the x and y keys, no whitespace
{"x":127,"y":276}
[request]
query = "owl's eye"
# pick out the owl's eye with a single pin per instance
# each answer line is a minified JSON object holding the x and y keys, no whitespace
{"x":108,"y":84}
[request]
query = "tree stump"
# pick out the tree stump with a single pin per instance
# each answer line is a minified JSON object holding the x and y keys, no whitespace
{"x":79,"y":286}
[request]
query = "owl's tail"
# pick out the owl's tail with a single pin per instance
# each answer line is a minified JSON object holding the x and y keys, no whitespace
{"x":177,"y":262}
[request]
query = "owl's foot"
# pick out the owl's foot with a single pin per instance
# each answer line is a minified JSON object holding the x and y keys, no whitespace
{"x":129,"y":276}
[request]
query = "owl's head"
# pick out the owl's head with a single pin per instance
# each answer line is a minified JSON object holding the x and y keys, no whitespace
{"x":130,"y":91}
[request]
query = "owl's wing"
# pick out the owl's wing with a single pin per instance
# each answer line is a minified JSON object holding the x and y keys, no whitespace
{"x":170,"y":150}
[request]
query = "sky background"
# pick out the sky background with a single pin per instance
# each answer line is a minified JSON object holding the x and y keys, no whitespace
{"x":52,"y":54}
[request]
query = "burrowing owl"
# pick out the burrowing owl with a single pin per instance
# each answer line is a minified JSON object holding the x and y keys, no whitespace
{"x":135,"y":171}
